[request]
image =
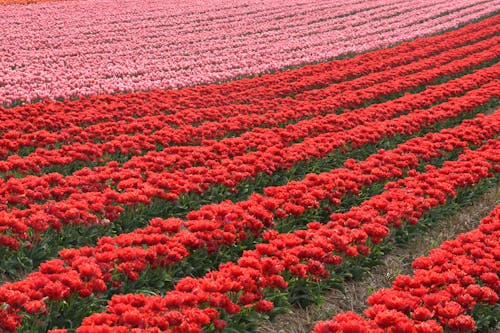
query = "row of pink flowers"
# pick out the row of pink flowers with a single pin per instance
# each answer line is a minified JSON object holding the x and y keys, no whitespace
{"x":211,"y":102}
{"x":216,"y":122}
{"x":91,"y":47}
{"x":93,"y":269}
{"x":446,"y":286}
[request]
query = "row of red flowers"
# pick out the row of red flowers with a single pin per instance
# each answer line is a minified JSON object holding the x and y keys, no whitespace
{"x":189,"y":156}
{"x":164,"y":242}
{"x":87,"y":197}
{"x":107,"y":131}
{"x":306,"y":253}
{"x":159,"y":131}
{"x":446,"y":286}
{"x":184,"y":157}
{"x":51,"y":115}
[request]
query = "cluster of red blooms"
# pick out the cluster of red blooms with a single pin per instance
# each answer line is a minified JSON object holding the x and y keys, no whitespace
{"x":197,"y":302}
{"x":143,"y":134}
{"x":441,"y":294}
{"x":133,"y":138}
{"x":91,"y":270}
{"x":88,"y":197}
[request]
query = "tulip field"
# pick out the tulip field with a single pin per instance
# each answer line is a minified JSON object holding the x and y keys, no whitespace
{"x":208,"y":166}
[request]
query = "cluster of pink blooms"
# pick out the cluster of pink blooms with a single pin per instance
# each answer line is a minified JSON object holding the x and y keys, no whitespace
{"x":54,"y":116}
{"x":63,"y":49}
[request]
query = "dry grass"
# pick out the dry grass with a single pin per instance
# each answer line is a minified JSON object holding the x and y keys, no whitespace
{"x":397,"y":262}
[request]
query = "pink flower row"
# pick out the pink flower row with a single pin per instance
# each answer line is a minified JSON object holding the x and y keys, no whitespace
{"x":91,"y":47}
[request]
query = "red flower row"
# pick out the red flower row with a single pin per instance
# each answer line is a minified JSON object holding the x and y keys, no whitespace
{"x":87,"y":196}
{"x":446,"y":286}
{"x":90,"y":270}
{"x":197,"y":302}
{"x":51,"y":115}
{"x":159,"y":130}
